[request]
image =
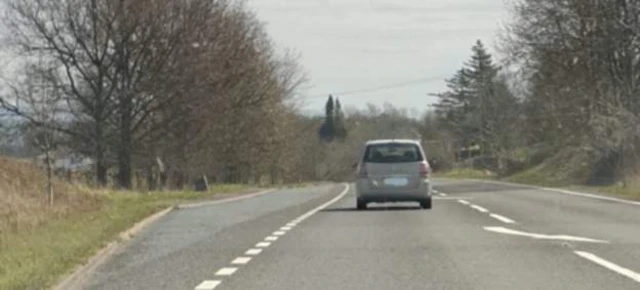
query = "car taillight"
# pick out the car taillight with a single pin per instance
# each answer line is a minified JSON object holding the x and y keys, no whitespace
{"x":424,"y":170}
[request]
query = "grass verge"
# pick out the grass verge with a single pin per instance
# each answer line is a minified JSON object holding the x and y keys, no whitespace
{"x":541,"y":176}
{"x":465,"y":173}
{"x":35,"y":258}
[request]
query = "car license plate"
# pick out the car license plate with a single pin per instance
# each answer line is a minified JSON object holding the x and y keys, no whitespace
{"x":396,"y":182}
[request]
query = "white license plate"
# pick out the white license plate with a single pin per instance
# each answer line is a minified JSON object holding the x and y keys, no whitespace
{"x":396,"y":182}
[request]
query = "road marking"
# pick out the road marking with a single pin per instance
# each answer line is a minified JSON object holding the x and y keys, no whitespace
{"x":462,"y":201}
{"x":263,"y":244}
{"x":226,"y":200}
{"x":479,"y":208}
{"x":442,"y":194}
{"x":279,"y":233}
{"x":323,"y":206}
{"x":228,"y":271}
{"x":241,"y":260}
{"x":253,"y":252}
{"x":502,"y":230}
{"x":292,"y":224}
{"x":611,"y":266}
{"x":564,"y":191}
{"x":444,"y":198}
{"x":208,"y":285}
{"x":503,"y":219}
{"x":270,"y":238}
{"x":285,"y":228}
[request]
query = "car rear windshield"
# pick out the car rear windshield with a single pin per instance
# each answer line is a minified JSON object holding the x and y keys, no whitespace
{"x":392,"y":153}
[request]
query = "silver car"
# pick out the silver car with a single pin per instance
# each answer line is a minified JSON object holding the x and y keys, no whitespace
{"x":393,"y":171}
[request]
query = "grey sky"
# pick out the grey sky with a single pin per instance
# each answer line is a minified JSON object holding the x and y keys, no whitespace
{"x":349,"y":45}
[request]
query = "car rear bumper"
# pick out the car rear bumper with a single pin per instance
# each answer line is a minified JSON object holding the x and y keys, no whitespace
{"x":366,"y":191}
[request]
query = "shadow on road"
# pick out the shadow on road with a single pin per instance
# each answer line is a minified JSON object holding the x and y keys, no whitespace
{"x":376,"y":208}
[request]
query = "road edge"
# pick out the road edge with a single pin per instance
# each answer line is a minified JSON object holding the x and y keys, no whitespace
{"x":81,"y":272}
{"x":559,"y":190}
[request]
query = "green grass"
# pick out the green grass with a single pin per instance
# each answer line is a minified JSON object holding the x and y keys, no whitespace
{"x":465,"y":173}
{"x":37,"y":258}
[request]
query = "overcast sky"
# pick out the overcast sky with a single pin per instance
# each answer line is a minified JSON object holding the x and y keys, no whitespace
{"x":353,"y":45}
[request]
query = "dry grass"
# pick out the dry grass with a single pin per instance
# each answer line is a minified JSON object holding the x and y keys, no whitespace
{"x":23,"y":199}
{"x":40,"y":243}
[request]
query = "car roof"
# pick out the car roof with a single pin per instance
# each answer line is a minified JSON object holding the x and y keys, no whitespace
{"x":386,"y":141}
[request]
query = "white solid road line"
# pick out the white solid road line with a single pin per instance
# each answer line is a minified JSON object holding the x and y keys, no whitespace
{"x":503,"y":219}
{"x":263,"y":244}
{"x":564,"y":191}
{"x":292,"y":224}
{"x":479,"y":208}
{"x":611,"y":266}
{"x":208,"y":285}
{"x":462,"y":201}
{"x":253,"y":252}
{"x":322,"y":206}
{"x":241,"y":260}
{"x":279,"y":233}
{"x":270,"y":238}
{"x":502,"y":230}
{"x":228,"y":271}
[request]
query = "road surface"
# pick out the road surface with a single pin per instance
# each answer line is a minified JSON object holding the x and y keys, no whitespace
{"x":478,"y":236}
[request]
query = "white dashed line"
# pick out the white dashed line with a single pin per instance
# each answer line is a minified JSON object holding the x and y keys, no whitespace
{"x":503,"y":219}
{"x":611,"y":266}
{"x":253,"y":252}
{"x":462,"y":201}
{"x":226,"y":271}
{"x":263,"y":244}
{"x":241,"y":260}
{"x":479,"y":208}
{"x":442,"y":194}
{"x":208,"y":285}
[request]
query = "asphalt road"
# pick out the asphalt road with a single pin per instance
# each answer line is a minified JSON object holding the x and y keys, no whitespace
{"x":478,"y":236}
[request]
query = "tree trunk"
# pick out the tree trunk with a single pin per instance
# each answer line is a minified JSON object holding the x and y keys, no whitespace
{"x":124,"y":152}
{"x":49,"y":177}
{"x":100,"y":165}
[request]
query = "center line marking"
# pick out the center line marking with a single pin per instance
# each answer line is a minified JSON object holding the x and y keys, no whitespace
{"x":226,"y":271}
{"x":270,"y":238}
{"x":479,"y":208}
{"x":611,"y":266}
{"x":503,"y":219}
{"x":253,"y":252}
{"x":285,"y":228}
{"x":462,"y":201}
{"x":263,"y":244}
{"x":278,"y":233}
{"x":241,"y":260}
{"x":208,"y":285}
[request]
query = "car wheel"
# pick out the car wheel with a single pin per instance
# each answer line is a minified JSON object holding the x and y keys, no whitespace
{"x":426,"y":203}
{"x":361,"y":204}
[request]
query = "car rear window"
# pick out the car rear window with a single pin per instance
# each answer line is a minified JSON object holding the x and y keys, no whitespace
{"x":392,"y":153}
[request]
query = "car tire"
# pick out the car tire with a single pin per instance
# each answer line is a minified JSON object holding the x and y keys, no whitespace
{"x":426,"y":203}
{"x":361,"y":204}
